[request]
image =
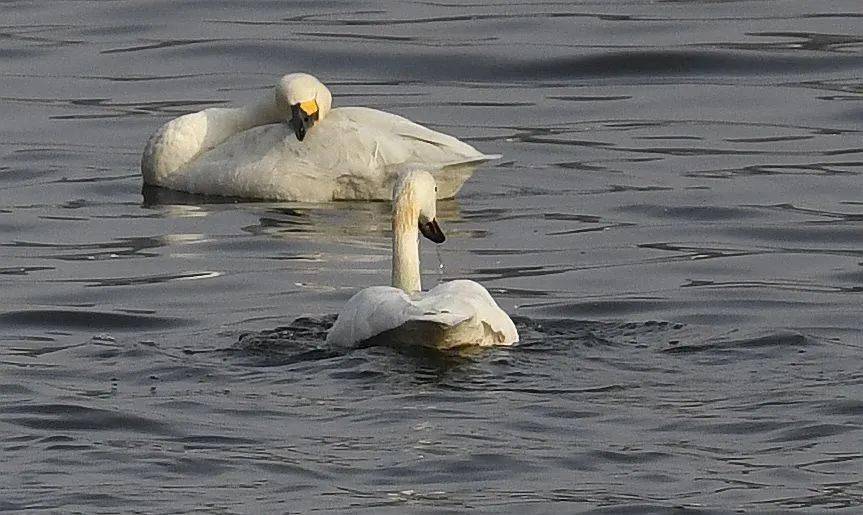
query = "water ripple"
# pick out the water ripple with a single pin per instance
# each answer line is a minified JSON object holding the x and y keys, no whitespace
{"x":81,"y":319}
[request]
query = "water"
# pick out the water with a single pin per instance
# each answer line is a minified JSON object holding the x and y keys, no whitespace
{"x":676,"y":226}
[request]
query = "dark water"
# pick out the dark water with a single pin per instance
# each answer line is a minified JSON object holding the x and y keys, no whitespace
{"x":677,"y":224}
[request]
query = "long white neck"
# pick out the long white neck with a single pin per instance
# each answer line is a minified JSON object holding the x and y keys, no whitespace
{"x":263,"y":112}
{"x":406,"y":255}
{"x":222,"y":123}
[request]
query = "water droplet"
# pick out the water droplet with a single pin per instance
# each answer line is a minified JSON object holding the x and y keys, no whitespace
{"x":441,"y":269}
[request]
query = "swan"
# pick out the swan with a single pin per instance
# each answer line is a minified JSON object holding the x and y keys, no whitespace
{"x":452,"y":314}
{"x":291,"y":145}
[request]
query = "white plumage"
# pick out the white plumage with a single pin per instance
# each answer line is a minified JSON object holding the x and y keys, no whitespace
{"x":258,"y":152}
{"x":452,"y":314}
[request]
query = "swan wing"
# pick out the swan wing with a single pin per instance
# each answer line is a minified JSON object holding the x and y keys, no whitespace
{"x":411,"y":141}
{"x":392,"y":144}
{"x":378,"y":309}
{"x":485,"y":323}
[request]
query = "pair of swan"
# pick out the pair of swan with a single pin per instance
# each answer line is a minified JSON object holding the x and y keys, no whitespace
{"x":292,"y":145}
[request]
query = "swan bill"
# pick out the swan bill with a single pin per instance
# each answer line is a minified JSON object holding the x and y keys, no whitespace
{"x":303,"y":117}
{"x":432,"y":231}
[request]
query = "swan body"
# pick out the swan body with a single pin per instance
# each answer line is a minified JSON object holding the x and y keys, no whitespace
{"x":452,"y":314}
{"x":291,"y":145}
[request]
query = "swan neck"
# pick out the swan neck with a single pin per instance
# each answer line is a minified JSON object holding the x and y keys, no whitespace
{"x":263,"y":112}
{"x":406,"y":259}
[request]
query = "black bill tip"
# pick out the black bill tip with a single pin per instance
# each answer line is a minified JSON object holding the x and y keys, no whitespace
{"x":301,"y":122}
{"x":432,"y":231}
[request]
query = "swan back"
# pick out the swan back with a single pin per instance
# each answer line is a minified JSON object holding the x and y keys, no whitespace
{"x":453,"y":314}
{"x":379,"y":309}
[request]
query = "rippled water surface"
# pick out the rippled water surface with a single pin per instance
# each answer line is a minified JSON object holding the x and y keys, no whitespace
{"x":676,"y":226}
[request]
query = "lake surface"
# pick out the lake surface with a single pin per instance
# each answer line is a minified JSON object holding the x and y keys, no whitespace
{"x":676,"y":226}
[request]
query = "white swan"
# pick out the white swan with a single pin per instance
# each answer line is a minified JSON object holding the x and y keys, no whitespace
{"x":292,"y":146}
{"x":452,"y":314}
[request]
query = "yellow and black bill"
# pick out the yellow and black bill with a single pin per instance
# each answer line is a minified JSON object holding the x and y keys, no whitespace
{"x":303,"y":117}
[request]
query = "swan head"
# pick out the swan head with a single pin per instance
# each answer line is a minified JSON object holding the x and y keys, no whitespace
{"x":306,"y":98}
{"x":415,"y":201}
